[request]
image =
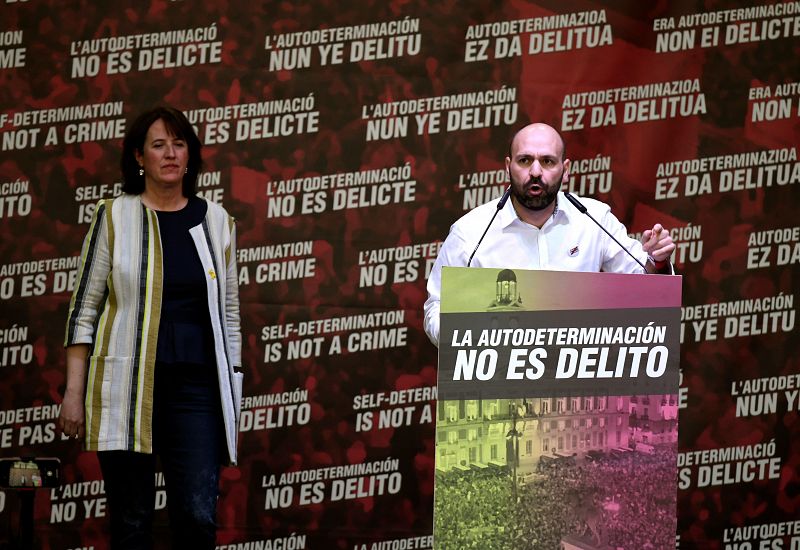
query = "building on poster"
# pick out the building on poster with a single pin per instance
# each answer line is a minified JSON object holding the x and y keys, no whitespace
{"x":475,"y":433}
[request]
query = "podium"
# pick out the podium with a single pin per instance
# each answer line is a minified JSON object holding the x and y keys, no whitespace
{"x":558,"y":411}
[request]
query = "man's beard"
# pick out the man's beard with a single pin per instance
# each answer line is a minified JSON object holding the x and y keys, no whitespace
{"x":542,"y":201}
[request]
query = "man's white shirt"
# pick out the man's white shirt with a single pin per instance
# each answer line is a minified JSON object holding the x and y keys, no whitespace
{"x":568,"y":241}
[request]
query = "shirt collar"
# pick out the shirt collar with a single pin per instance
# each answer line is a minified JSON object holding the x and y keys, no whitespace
{"x":508,"y":215}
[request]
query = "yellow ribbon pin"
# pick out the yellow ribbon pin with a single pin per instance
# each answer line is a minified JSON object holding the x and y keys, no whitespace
{"x":212,"y":274}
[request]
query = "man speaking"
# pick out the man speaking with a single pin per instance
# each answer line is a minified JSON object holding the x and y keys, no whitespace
{"x":541,"y":227}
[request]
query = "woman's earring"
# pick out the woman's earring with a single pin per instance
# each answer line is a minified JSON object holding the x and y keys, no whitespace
{"x":141,"y":171}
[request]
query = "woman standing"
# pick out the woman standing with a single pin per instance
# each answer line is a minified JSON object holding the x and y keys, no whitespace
{"x":153,"y":339}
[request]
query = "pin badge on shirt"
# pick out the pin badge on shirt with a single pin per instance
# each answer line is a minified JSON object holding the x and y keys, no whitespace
{"x":212,"y":274}
{"x":573,"y":251}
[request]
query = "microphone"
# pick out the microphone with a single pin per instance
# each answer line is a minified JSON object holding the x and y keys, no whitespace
{"x":582,"y":209}
{"x":500,"y":204}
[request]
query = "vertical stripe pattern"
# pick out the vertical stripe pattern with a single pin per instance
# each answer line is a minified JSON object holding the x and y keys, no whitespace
{"x":116,"y":307}
{"x":88,"y":258}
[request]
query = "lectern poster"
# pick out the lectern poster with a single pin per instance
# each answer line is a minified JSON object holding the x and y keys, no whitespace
{"x":558,"y":412}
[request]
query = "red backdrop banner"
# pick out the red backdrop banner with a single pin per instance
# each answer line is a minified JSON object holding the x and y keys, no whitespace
{"x":346,"y":139}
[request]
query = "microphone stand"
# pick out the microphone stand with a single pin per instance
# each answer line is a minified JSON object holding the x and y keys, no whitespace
{"x":582,"y":209}
{"x":500,"y":204}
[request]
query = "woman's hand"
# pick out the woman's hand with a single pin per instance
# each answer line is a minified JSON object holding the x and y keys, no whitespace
{"x":71,"y":419}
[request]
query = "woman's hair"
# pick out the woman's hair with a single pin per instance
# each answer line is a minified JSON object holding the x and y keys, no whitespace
{"x":178,"y":126}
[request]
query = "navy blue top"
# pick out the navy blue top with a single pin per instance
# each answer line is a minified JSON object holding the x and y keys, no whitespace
{"x":184,"y":332}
